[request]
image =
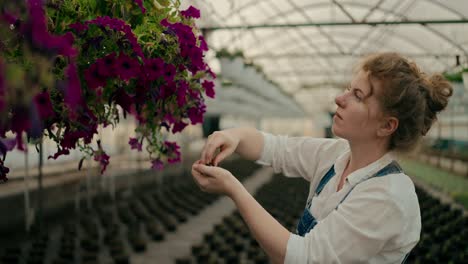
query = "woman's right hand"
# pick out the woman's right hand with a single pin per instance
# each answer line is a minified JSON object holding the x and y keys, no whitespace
{"x":224,"y":141}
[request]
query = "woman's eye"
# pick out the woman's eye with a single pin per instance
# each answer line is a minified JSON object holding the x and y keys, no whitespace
{"x":357,"y":96}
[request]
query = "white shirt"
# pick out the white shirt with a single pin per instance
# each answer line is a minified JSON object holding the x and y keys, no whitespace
{"x":379,"y":221}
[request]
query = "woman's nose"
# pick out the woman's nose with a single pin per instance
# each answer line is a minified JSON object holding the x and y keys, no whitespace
{"x":340,"y":100}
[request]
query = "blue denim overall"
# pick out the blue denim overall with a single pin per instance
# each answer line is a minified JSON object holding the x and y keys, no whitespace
{"x":308,"y":221}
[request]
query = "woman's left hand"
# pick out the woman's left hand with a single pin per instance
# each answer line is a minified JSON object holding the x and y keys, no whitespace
{"x":214,"y":179}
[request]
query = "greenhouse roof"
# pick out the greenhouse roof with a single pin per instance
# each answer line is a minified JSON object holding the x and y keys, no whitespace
{"x":310,"y":47}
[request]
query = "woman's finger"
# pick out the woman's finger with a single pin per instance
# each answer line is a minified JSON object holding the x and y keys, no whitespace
{"x":221,"y":156}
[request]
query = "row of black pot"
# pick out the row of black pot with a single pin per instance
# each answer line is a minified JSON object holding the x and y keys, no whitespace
{"x":230,"y":240}
{"x":115,"y":228}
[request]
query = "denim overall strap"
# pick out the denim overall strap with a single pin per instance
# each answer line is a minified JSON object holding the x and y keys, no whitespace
{"x":330,"y":173}
{"x":308,"y":221}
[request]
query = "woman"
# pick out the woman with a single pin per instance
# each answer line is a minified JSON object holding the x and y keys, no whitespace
{"x":361,"y":208}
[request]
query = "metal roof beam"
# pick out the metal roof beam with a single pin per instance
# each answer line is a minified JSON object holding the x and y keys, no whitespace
{"x":333,"y":24}
{"x":300,"y":55}
{"x":344,"y":10}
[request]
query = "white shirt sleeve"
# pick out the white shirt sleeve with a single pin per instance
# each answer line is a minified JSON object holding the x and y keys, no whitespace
{"x":354,"y":233}
{"x":300,"y":156}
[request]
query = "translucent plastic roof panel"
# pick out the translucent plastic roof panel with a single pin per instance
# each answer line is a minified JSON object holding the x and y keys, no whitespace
{"x":304,"y":45}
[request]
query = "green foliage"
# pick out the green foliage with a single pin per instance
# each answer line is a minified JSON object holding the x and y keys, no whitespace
{"x":452,"y":184}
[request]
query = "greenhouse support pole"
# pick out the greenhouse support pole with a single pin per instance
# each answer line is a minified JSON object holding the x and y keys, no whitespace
{"x":88,"y":185}
{"x":28,"y":212}
{"x":40,"y":194}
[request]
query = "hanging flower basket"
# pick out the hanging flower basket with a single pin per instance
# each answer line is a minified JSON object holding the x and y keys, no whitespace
{"x":69,"y":66}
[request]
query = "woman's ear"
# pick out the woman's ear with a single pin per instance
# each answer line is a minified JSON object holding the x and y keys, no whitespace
{"x":389,"y":125}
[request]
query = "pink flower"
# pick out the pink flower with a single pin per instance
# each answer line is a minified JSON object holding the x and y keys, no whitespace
{"x":191,"y":12}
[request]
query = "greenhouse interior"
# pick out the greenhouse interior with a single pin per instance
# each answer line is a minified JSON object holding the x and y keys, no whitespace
{"x":109,"y":111}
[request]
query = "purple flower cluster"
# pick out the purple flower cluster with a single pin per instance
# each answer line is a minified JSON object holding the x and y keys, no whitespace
{"x":188,"y":40}
{"x":114,"y":24}
{"x":135,"y":144}
{"x":159,"y":87}
{"x":173,"y":151}
{"x":40,"y":37}
{"x":73,"y":90}
{"x":191,"y":12}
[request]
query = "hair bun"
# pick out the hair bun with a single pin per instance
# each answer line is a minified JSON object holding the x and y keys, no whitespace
{"x":440,"y":91}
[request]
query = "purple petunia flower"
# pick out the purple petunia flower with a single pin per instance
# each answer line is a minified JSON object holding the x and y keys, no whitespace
{"x":153,"y":68}
{"x":44,"y":105}
{"x":140,"y":4}
{"x":169,"y":118}
{"x":167,"y":90}
{"x":101,"y":156}
{"x":123,"y":99}
{"x":6,"y":144}
{"x":203,"y":44}
{"x":169,"y":72}
{"x":9,"y":18}
{"x":209,"y":88}
{"x":78,"y":27}
{"x":157,"y":164}
{"x":36,"y":29}
{"x":211,"y":73}
{"x":195,"y":114}
{"x":73,"y":90}
{"x":191,"y":12}
{"x":59,"y":153}
{"x":103,"y":160}
{"x":173,"y":151}
{"x":119,"y":25}
{"x":93,"y":78}
{"x":126,"y":67}
{"x":181,"y":93}
{"x":134,"y":144}
{"x":179,"y":126}
{"x":106,"y":65}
